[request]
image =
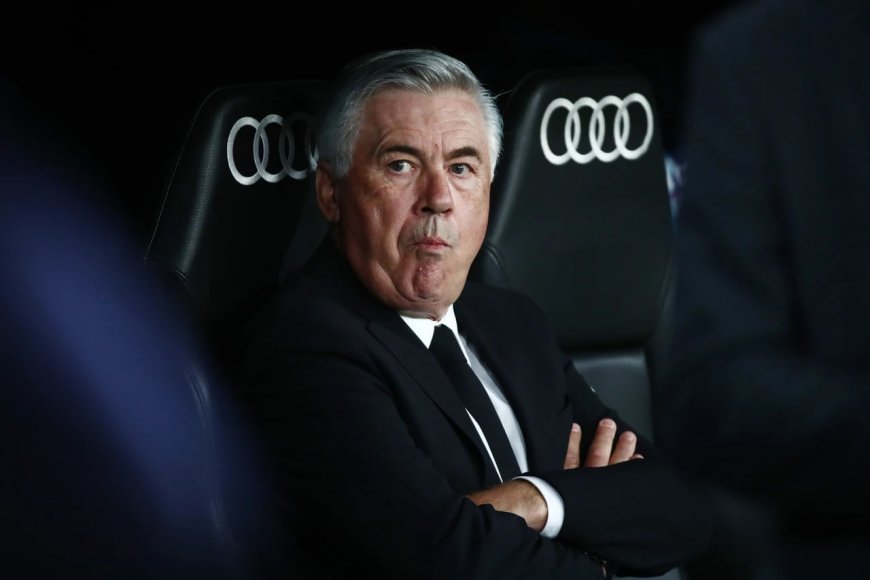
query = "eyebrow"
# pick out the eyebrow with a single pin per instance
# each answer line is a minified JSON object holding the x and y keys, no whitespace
{"x":466,"y":151}
{"x":403,"y":149}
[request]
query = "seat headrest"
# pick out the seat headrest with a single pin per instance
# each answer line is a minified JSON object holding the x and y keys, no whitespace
{"x":580,"y":216}
{"x":233,"y":202}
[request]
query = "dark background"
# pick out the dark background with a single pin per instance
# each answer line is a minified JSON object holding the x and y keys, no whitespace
{"x":119,"y":86}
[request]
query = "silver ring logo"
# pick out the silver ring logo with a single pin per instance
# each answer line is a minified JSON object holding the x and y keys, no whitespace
{"x":286,"y":148}
{"x":621,"y":129}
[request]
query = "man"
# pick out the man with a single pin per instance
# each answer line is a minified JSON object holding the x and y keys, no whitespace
{"x":392,"y":471}
{"x":771,"y":349}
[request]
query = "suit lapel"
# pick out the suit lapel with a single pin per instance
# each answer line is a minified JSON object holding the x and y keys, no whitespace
{"x":507,"y":360}
{"x":388,"y":328}
{"x":410,"y":353}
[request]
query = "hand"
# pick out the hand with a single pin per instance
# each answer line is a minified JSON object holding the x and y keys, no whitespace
{"x":517,"y":496}
{"x":522,"y":498}
{"x":602,"y":452}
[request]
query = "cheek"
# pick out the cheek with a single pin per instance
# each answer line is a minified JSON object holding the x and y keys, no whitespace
{"x":476,"y":217}
{"x":483,"y":211}
{"x":394,"y":210}
{"x":376,"y":220}
{"x":479,"y":233}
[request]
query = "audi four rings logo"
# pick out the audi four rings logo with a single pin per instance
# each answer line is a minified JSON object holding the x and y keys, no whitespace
{"x":621,"y":129}
{"x":261,"y":149}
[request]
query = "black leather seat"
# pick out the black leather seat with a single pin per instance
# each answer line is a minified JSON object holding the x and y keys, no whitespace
{"x":227,"y":228}
{"x":238,"y":212}
{"x":580,"y":220}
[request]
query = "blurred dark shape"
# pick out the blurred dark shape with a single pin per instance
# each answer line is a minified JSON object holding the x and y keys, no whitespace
{"x":770,"y":374}
{"x":114,"y":465}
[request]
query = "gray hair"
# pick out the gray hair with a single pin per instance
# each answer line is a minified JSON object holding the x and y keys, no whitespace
{"x":421,"y":70}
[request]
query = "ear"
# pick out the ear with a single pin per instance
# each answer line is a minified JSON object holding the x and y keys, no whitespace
{"x":327,"y":195}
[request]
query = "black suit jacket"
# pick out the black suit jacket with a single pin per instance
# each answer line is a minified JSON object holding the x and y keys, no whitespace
{"x":377,"y":451}
{"x":770,"y":382}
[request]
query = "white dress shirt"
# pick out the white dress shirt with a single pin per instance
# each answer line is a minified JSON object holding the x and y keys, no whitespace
{"x":424,"y":328}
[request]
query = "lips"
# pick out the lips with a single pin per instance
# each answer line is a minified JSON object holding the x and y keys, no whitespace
{"x":431,"y":242}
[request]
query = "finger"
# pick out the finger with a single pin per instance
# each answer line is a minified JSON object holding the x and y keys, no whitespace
{"x":572,"y":457}
{"x":635,"y":456}
{"x":602,"y":443}
{"x":624,"y":448}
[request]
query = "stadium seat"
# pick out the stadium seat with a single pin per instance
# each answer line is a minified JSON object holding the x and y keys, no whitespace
{"x":227,"y":229}
{"x":237,"y":214}
{"x":580,"y":220}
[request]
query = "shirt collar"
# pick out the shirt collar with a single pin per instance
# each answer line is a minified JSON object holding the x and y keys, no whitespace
{"x":424,"y":328}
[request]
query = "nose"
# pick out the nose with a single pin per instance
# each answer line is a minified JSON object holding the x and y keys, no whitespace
{"x":436,"y":196}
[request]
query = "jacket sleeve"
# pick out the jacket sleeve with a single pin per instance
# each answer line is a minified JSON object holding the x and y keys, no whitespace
{"x":644,"y":516}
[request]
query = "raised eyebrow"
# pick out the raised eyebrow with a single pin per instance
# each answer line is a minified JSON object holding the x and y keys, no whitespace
{"x":406,"y":149}
{"x":466,"y":151}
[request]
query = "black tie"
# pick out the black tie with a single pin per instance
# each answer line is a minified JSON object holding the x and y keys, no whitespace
{"x":446,"y":349}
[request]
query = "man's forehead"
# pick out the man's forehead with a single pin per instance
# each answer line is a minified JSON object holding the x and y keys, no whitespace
{"x":413,"y":118}
{"x":402,"y":102}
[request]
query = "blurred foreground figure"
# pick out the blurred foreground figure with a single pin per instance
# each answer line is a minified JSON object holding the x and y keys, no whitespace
{"x":111,"y":466}
{"x":770,"y":382}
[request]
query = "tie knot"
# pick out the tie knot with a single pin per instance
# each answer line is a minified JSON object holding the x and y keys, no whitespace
{"x":445,"y":347}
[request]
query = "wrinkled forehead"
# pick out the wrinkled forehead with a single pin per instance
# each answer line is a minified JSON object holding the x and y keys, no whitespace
{"x":457,"y":99}
{"x":450,"y":114}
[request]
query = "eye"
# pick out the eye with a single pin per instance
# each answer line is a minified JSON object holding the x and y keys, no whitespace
{"x":400,"y":166}
{"x":460,"y":168}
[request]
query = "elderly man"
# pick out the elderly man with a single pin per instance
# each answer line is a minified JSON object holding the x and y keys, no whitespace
{"x":424,"y":425}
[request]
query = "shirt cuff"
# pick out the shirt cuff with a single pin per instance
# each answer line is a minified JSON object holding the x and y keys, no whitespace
{"x":555,"y":506}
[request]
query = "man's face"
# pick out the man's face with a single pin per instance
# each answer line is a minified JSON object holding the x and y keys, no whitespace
{"x":412,"y":212}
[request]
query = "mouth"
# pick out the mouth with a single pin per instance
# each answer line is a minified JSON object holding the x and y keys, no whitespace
{"x":432,"y":243}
